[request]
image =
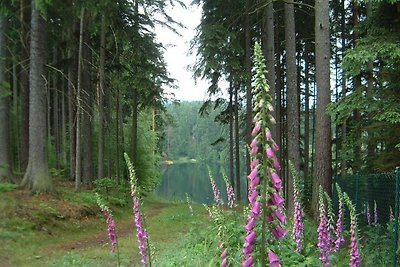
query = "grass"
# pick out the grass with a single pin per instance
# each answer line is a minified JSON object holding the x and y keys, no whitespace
{"x":69,"y":230}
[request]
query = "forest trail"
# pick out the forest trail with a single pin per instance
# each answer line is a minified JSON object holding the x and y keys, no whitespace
{"x":51,"y":231}
{"x":123,"y":228}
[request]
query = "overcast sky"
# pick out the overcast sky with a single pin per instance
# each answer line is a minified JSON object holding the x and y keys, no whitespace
{"x":177,"y":52}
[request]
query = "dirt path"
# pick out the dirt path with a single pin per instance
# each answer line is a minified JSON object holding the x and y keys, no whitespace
{"x":123,"y":228}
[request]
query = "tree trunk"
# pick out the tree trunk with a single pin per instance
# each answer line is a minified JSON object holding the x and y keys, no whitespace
{"x":72,"y":73}
{"x":134,"y":127}
{"x":4,"y":104}
{"x":37,"y":176}
{"x":87,"y":106}
{"x":278,"y":91}
{"x":25,"y":19}
{"x":293,"y":122}
{"x":323,"y":152}
{"x":343,"y":165}
{"x":237,"y":143}
{"x":231,"y":141}
{"x":307,"y":178}
{"x":268,"y":38}
{"x":100,"y":164}
{"x":357,"y":162}
{"x":63,"y":126}
{"x":56,"y":129}
{"x":78,"y":166}
{"x":117,"y":162}
{"x":249,"y":104}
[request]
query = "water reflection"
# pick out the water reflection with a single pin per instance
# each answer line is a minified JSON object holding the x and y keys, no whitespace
{"x":193,"y":179}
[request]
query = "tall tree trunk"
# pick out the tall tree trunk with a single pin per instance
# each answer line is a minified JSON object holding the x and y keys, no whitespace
{"x":37,"y":176}
{"x":231,"y":141}
{"x":237,"y":143}
{"x":100,"y":164}
{"x":278,"y":91}
{"x":293,"y":123}
{"x":323,"y":151}
{"x":63,"y":126}
{"x":371,"y":144}
{"x":343,"y":165}
{"x":135,"y":114}
{"x":78,"y":170}
{"x":56,"y":129}
{"x":307,"y":178}
{"x":16,"y":157}
{"x":4,"y":104}
{"x":87,"y":118}
{"x":72,"y":79}
{"x":25,"y":19}
{"x":268,"y":38}
{"x":249,"y":104}
{"x":357,"y":163}
{"x":117,"y":163}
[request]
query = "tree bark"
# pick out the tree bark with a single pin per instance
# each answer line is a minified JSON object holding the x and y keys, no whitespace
{"x":4,"y":104}
{"x":343,"y":166}
{"x":268,"y":38}
{"x":249,"y":104}
{"x":293,"y":123}
{"x":37,"y":176}
{"x":100,"y":164}
{"x":72,"y":77}
{"x":87,"y":112}
{"x":78,"y":166}
{"x":237,"y":143}
{"x":323,"y":151}
{"x":307,"y":178}
{"x":231,"y":141}
{"x":25,"y":19}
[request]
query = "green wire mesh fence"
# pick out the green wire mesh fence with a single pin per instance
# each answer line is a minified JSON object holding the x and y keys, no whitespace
{"x":376,"y":197}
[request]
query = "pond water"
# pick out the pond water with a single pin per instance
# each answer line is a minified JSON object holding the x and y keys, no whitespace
{"x":193,"y":179}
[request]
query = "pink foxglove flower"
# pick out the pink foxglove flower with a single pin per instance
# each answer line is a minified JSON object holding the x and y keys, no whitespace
{"x":112,"y":235}
{"x":339,"y":224}
{"x":141,"y":232}
{"x":355,"y":256}
{"x":216,"y":192}
{"x":264,"y":183}
{"x":273,"y":259}
{"x":298,"y":226}
{"x":324,"y":237}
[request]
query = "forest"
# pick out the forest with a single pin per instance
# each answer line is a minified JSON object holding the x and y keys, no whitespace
{"x":301,"y":118}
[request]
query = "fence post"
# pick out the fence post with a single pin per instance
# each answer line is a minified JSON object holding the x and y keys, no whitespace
{"x":396,"y":217}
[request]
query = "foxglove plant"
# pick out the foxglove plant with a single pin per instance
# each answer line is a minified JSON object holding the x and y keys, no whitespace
{"x":324,"y":238}
{"x":112,"y":235}
{"x":216,"y":192}
{"x":339,"y":224}
{"x":216,"y":214}
{"x":368,"y":215}
{"x":298,"y":226}
{"x":355,"y":256}
{"x":375,"y":213}
{"x":229,"y":192}
{"x":141,"y":232}
{"x":264,"y":183}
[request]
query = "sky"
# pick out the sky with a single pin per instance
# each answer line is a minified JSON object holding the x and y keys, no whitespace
{"x":177,"y":53}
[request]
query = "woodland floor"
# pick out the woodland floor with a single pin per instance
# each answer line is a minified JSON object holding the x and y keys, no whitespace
{"x":67,"y":230}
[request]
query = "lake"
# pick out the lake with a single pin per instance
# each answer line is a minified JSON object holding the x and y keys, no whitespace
{"x":193,"y":179}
